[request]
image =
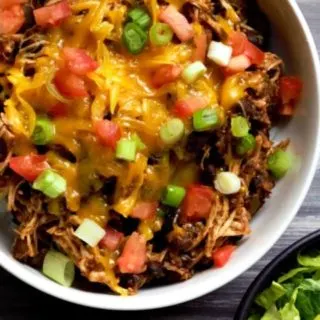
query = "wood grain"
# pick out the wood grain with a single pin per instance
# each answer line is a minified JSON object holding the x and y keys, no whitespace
{"x":19,"y":301}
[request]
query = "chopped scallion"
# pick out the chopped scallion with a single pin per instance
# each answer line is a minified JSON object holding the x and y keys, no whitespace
{"x":205,"y":119}
{"x":50,"y":183}
{"x":173,"y":196}
{"x":58,"y":267}
{"x":160,"y":34}
{"x":139,"y":143}
{"x":279,"y":163}
{"x":193,"y":72}
{"x":172,"y":131}
{"x":140,"y":17}
{"x":43,"y":132}
{"x":239,"y":127}
{"x":90,"y":232}
{"x":126,"y":149}
{"x":246,"y":144}
{"x":134,"y":38}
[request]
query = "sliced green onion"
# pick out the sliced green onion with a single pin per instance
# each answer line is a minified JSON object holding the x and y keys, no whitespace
{"x":173,"y":196}
{"x":43,"y":132}
{"x":227,"y":183}
{"x":193,"y":72}
{"x":239,"y":127}
{"x":126,"y":150}
{"x":140,"y":17}
{"x":160,"y":34}
{"x":58,"y":267}
{"x":172,"y":131}
{"x":246,"y":144}
{"x":139,"y":143}
{"x":50,"y":183}
{"x":90,"y":232}
{"x":134,"y":38}
{"x":279,"y":163}
{"x":205,"y":119}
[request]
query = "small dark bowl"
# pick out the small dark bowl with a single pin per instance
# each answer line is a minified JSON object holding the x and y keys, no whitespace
{"x":285,"y":261}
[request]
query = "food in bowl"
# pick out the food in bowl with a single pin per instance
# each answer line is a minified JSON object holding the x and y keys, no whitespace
{"x":136,"y":135}
{"x":294,"y":295}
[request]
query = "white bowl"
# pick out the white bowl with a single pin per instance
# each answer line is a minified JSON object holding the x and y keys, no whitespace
{"x":294,"y":42}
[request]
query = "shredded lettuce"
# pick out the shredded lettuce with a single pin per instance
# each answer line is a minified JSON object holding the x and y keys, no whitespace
{"x":296,"y":294}
{"x":269,"y":296}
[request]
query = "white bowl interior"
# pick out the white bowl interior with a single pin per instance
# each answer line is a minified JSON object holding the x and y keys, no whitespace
{"x":294,"y":42}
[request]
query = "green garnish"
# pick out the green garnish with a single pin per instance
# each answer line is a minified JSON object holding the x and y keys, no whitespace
{"x":295,"y":295}
{"x":134,"y":38}
{"x":43,"y":132}
{"x":140,"y":17}
{"x":160,"y":34}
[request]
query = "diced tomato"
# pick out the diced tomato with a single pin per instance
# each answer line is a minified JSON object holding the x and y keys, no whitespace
{"x":290,"y":92}
{"x":237,"y":41}
{"x":255,"y":55}
{"x":165,"y":74}
{"x":9,"y":3}
{"x":185,"y":108}
{"x":290,"y":89}
{"x":201,"y":46}
{"x":177,"y":22}
{"x":69,"y":84}
{"x":11,"y":19}
{"x":241,"y":45}
{"x":144,"y":210}
{"x":108,"y":132}
{"x":30,"y":166}
{"x":59,"y":110}
{"x":78,"y":61}
{"x":222,"y":255}
{"x":112,"y":239}
{"x":52,"y":15}
{"x":134,"y":255}
{"x":237,"y":64}
{"x":197,"y":202}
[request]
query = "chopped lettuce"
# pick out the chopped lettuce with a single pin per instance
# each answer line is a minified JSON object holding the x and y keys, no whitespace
{"x":310,"y":260}
{"x":296,"y":294}
{"x":270,"y":295}
{"x":272,"y":314}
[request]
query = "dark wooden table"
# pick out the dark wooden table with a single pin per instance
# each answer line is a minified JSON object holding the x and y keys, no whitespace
{"x":19,"y":301}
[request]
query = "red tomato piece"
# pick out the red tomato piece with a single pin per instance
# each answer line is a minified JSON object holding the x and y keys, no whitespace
{"x":144,"y":210}
{"x":184,"y":108}
{"x":52,"y":15}
{"x":165,"y":74}
{"x":237,"y":41}
{"x":255,"y":55}
{"x":201,"y":46}
{"x":134,"y":255}
{"x":112,"y":239}
{"x":290,"y":89}
{"x":197,"y":202}
{"x":11,"y":19}
{"x":69,"y":84}
{"x":78,"y":61}
{"x":8,"y":3}
{"x":177,"y":22}
{"x":30,"y":166}
{"x":59,"y":110}
{"x":237,"y":64}
{"x":222,"y":255}
{"x":108,"y":132}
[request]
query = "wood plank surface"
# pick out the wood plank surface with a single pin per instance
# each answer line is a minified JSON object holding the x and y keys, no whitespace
{"x":20,"y":301}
